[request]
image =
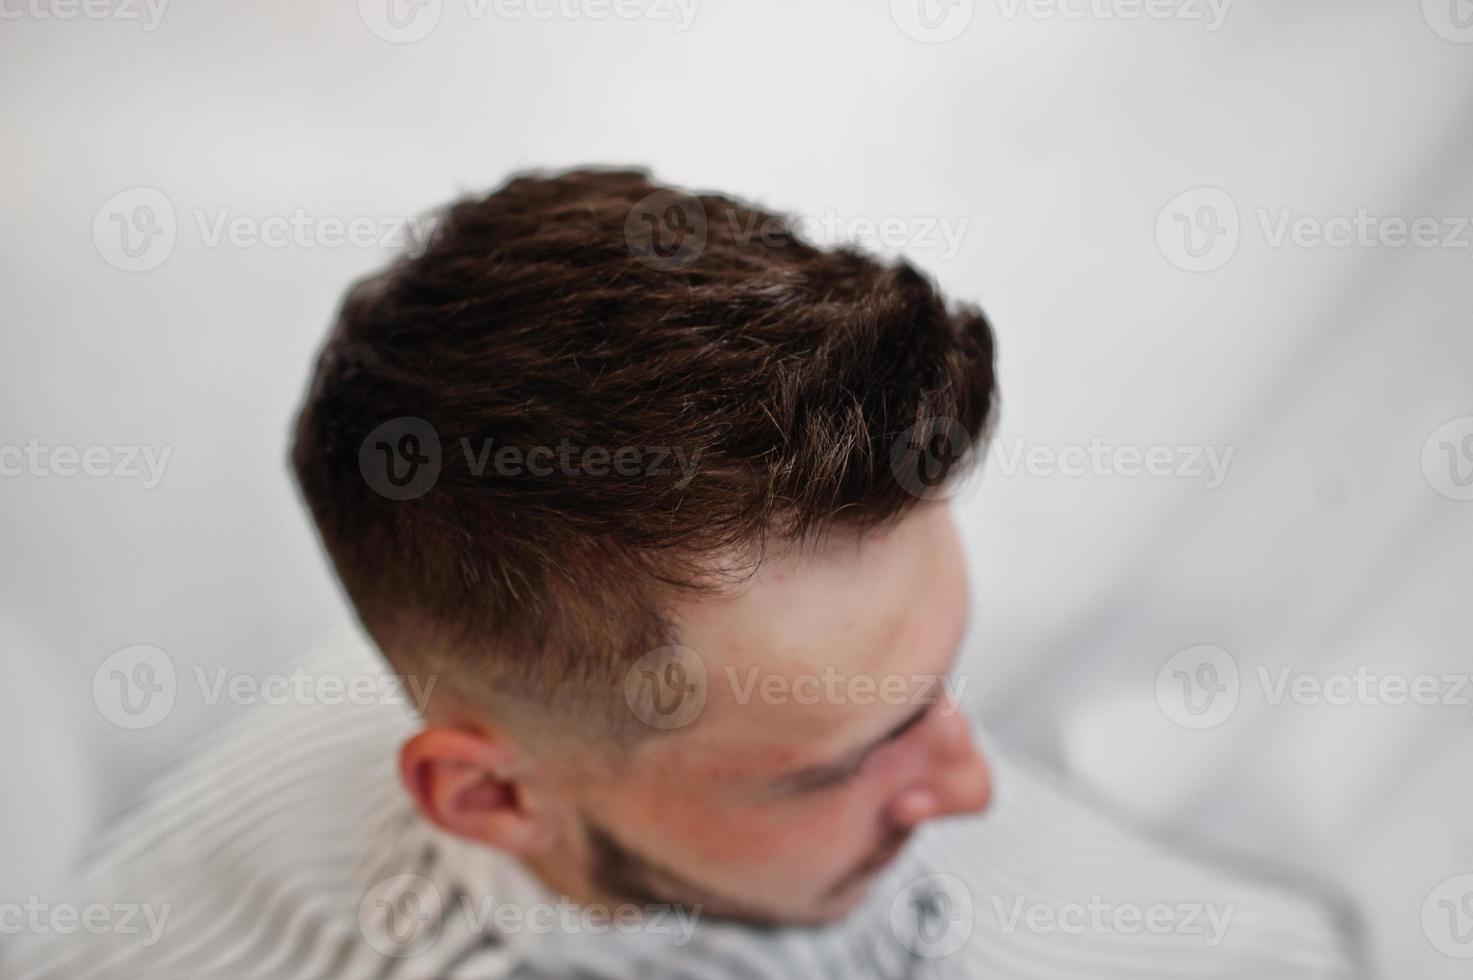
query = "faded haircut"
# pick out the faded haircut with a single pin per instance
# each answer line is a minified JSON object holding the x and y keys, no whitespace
{"x":797,"y":383}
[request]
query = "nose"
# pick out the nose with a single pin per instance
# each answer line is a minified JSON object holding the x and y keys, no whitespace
{"x":955,"y":779}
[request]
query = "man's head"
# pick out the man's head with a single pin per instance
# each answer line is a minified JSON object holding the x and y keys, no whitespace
{"x":646,"y":483}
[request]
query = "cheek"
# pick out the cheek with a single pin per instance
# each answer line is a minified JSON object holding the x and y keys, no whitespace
{"x":802,"y":831}
{"x":750,"y":835}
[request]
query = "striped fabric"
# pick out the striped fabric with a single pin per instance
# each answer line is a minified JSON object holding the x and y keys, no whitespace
{"x":285,"y":851}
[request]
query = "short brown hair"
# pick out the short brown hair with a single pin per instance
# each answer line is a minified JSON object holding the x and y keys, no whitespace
{"x":538,"y":315}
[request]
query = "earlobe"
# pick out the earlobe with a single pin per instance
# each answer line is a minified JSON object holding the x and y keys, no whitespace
{"x":475,"y":786}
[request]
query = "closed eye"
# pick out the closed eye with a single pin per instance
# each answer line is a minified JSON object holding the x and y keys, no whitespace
{"x":831,"y":779}
{"x":821,"y":778}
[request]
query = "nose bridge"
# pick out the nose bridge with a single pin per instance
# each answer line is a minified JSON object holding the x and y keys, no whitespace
{"x":949,"y":735}
{"x":951,"y":779}
{"x":957,"y":774}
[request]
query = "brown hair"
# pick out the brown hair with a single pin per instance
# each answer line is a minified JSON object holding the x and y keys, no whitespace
{"x":559,"y":310}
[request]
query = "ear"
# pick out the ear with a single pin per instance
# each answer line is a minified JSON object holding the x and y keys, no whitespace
{"x":475,"y":785}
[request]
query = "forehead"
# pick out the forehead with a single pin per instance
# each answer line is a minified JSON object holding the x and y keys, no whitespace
{"x":820,"y":651}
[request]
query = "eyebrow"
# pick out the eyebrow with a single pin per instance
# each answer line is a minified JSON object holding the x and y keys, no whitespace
{"x":823,"y":772}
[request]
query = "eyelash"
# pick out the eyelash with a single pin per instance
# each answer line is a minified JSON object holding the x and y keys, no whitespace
{"x":844,"y":779}
{"x":841,"y":780}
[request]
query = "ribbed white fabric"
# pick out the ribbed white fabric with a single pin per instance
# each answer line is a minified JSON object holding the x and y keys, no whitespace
{"x":285,"y":850}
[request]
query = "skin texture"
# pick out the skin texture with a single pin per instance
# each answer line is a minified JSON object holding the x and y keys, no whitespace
{"x":759,"y":809}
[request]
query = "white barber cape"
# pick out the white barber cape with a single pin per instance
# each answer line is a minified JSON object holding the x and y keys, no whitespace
{"x":285,"y":850}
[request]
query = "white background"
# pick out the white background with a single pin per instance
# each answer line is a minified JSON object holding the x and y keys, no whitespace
{"x":1057,"y":141}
